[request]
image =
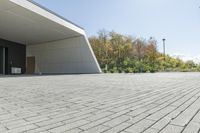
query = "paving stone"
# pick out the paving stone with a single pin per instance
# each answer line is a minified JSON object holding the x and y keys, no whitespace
{"x":45,"y":132}
{"x":2,"y":128}
{"x":126,"y":103}
{"x":151,"y":130}
{"x":161,"y":123}
{"x":95,"y":123}
{"x":118,"y":128}
{"x":96,"y":129}
{"x":192,"y":127}
{"x":114,"y":115}
{"x":172,"y":129}
{"x":45,"y":128}
{"x":187,"y":115}
{"x":196,"y":118}
{"x":99,"y":116}
{"x":74,"y":119}
{"x":158,"y":115}
{"x":139,"y":127}
{"x":76,"y":130}
{"x":37,"y":119}
{"x":138,"y":118}
{"x":117,"y":121}
{"x":21,"y":129}
{"x":69,"y":126}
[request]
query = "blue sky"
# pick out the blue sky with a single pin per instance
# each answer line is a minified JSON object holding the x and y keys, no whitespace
{"x":176,"y":20}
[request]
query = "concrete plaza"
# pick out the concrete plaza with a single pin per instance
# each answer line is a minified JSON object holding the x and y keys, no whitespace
{"x":104,"y":103}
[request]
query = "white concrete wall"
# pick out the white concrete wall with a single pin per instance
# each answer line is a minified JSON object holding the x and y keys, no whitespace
{"x":73,"y":55}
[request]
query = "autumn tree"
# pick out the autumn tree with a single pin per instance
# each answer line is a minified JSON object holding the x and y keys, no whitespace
{"x":123,"y":53}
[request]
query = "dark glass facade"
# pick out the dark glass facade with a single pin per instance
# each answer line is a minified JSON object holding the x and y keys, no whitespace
{"x":12,"y":55}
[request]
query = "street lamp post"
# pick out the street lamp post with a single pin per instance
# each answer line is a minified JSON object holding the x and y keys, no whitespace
{"x":164,"y":47}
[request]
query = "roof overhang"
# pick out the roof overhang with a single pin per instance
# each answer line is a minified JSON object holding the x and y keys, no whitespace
{"x":26,"y":22}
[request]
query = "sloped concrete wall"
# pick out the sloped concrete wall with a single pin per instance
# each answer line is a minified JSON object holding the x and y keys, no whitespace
{"x":73,"y":55}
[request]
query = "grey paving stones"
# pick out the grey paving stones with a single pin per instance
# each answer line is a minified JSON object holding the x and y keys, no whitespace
{"x":118,"y":128}
{"x":140,"y":126}
{"x":104,"y":103}
{"x":172,"y":129}
{"x":192,"y":127}
{"x":96,"y":129}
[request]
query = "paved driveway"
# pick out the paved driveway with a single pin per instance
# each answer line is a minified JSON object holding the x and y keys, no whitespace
{"x":126,"y":103}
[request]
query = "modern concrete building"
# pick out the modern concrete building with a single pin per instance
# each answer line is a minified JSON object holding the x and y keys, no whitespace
{"x":35,"y":40}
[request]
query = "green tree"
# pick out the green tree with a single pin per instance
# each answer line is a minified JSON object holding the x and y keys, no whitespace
{"x":121,"y":53}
